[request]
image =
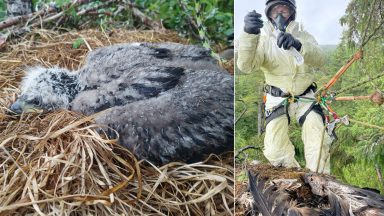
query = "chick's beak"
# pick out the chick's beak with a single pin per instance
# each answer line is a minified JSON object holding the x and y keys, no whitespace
{"x":17,"y":107}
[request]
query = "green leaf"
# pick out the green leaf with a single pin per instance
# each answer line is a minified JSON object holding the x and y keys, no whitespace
{"x":77,"y":43}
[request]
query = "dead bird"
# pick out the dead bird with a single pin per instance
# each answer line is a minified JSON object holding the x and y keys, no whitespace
{"x":311,"y":194}
{"x":345,"y":199}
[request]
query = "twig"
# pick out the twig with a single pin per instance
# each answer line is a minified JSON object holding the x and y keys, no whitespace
{"x":51,"y":14}
{"x":373,"y":34}
{"x":85,"y":11}
{"x":379,"y":174}
{"x":87,"y":44}
{"x":242,"y":150}
{"x":144,"y":19}
{"x":369,"y":21}
{"x":28,"y":18}
{"x":245,"y":108}
{"x":241,"y":114}
{"x":51,"y":18}
{"x":358,"y":84}
{"x":193,"y":26}
{"x":18,"y":19}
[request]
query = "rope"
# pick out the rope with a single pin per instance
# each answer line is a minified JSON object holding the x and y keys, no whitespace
{"x":321,"y":148}
{"x":367,"y":124}
{"x":359,"y":83}
{"x":371,"y":80}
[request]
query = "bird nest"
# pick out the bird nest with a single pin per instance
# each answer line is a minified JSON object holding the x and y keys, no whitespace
{"x":292,"y":191}
{"x":62,"y":163}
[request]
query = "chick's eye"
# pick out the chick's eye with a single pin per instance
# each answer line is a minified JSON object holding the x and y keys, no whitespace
{"x":35,"y":101}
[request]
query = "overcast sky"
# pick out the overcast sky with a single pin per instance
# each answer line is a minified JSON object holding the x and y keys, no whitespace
{"x":320,"y":18}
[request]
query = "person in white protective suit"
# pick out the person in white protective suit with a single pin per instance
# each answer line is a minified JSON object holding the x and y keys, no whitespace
{"x":266,"y":46}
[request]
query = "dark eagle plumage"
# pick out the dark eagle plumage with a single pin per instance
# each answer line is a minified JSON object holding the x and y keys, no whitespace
{"x":168,"y":102}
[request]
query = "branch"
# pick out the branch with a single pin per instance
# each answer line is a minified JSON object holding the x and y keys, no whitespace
{"x":144,"y":18}
{"x":379,"y":174}
{"x":242,"y":150}
{"x":379,"y":27}
{"x":85,"y":11}
{"x":19,"y":19}
{"x":80,"y":13}
{"x":51,"y":14}
{"x":193,"y":26}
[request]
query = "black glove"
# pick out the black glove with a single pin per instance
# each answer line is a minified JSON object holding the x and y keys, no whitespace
{"x":253,"y":23}
{"x":287,"y":41}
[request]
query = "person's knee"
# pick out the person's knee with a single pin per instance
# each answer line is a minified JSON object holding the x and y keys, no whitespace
{"x":277,"y":127}
{"x":278,"y":148}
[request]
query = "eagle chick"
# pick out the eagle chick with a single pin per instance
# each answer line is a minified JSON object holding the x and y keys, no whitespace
{"x":169,"y":102}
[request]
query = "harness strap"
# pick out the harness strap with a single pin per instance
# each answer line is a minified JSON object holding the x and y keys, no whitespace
{"x":282,"y":108}
{"x":277,"y":92}
{"x":314,"y":107}
{"x":277,"y":111}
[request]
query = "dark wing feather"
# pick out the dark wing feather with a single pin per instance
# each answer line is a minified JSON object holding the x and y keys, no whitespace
{"x":185,"y":123}
{"x":338,"y":205}
{"x":145,"y":83}
{"x":256,"y":187}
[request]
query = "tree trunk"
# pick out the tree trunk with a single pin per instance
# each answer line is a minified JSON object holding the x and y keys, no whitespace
{"x":18,"y":7}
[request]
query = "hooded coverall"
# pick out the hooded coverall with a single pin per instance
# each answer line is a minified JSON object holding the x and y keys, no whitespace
{"x":280,"y":70}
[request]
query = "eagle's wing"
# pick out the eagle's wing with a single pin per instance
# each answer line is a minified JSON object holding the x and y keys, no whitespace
{"x":145,"y":82}
{"x":121,"y":74}
{"x":122,"y":61}
{"x":183,"y":124}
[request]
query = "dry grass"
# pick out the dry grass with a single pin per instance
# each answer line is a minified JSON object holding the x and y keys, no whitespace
{"x":61,"y":163}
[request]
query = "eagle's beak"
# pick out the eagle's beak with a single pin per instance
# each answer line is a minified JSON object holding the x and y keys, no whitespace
{"x":17,"y":107}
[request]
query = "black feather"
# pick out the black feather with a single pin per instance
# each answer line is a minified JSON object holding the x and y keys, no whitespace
{"x":256,"y":188}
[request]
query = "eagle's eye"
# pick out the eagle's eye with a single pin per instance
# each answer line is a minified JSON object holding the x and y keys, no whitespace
{"x":35,"y":101}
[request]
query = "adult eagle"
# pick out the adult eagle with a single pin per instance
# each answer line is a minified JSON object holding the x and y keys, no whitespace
{"x":169,"y":102}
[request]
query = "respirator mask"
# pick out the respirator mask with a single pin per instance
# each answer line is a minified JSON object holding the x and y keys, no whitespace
{"x":280,"y":22}
{"x":280,"y":16}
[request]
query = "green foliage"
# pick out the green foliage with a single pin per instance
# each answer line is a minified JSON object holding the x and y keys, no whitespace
{"x":74,"y":21}
{"x":77,"y":43}
{"x":242,"y":176}
{"x":217,"y":16}
{"x":3,"y":9}
{"x":61,"y":3}
{"x":246,"y":105}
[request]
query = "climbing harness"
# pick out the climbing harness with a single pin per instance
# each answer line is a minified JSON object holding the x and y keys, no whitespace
{"x":282,"y":108}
